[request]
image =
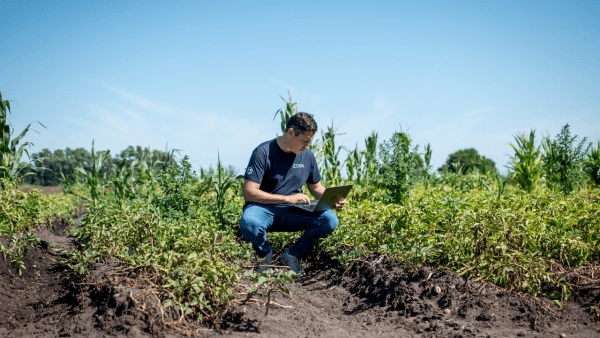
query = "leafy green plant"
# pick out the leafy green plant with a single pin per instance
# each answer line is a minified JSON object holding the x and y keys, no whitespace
{"x":370,"y":164}
{"x":93,"y":178}
{"x":20,"y":212}
{"x":398,"y":170}
{"x":427,"y":167}
{"x":291,"y":109}
{"x":595,"y":310}
{"x":269,"y":281}
{"x":10,"y":151}
{"x":564,"y":160}
{"x":221,"y":185}
{"x":176,"y":197}
{"x":124,"y":181}
{"x":354,"y":165}
{"x":592,"y":164}
{"x":526,"y":166}
{"x":331,"y":170}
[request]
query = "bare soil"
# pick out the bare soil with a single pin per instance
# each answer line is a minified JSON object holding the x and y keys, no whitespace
{"x":376,"y":298}
{"x":44,"y":190}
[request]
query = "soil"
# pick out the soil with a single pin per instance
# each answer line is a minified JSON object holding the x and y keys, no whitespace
{"x":44,"y":190}
{"x":375,"y":298}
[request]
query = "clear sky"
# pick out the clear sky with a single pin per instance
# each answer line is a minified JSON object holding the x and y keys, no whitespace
{"x":206,"y":76}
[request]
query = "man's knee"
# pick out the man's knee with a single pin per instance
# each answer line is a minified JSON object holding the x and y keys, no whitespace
{"x":252,"y":226}
{"x":330,"y":221}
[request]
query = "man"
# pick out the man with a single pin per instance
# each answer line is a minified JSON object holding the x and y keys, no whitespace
{"x":274,"y":178}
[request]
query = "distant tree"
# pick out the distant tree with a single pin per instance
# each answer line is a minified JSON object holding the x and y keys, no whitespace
{"x":468,"y":160}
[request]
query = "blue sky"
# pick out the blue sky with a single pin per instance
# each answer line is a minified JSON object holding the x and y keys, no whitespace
{"x":206,"y":76}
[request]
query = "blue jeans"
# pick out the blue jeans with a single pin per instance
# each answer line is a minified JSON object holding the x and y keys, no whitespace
{"x":258,"y":219}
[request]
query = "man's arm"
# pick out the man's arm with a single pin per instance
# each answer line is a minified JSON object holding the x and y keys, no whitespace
{"x":317,"y":191}
{"x":253,"y":194}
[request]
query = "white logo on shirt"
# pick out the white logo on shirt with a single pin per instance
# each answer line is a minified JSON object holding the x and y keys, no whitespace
{"x":296,"y":166}
{"x":250,"y":170}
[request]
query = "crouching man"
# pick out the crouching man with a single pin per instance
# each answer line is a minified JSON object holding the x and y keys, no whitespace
{"x":274,"y":177}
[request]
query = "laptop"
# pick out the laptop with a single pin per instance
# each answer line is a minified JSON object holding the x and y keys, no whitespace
{"x":328,"y":199}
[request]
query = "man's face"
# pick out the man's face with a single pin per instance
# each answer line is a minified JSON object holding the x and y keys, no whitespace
{"x":301,"y":142}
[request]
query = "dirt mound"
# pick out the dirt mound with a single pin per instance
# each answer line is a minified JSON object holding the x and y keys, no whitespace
{"x":375,"y":298}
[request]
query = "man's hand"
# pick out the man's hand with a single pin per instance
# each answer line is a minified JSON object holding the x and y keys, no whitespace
{"x":298,"y":199}
{"x":339,"y":205}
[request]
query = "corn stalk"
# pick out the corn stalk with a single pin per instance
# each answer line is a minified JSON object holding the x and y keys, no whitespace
{"x":332,"y":165}
{"x":93,"y":179}
{"x":526,"y":166}
{"x":592,"y":164}
{"x":10,"y":151}
{"x":354,"y":164}
{"x":222,"y":184}
{"x":291,"y":109}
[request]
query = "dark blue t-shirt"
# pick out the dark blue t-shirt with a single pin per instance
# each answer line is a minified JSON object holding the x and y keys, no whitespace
{"x":279,"y":172}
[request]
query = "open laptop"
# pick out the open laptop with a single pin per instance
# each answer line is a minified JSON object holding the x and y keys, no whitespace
{"x":328,"y":200}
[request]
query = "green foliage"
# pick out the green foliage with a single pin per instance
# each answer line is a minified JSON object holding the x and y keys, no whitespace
{"x":123,"y":182}
{"x":592,"y":164}
{"x":175,"y":198}
{"x":269,"y":281}
{"x":22,"y":212}
{"x":10,"y":151}
{"x":595,"y":310}
{"x":398,"y":170}
{"x":354,"y":165}
{"x":467,"y":160}
{"x":564,"y":161}
{"x":486,"y":232}
{"x":197,"y":260}
{"x":526,"y":166}
{"x":331,"y":169}
{"x":370,"y":167}
{"x":427,"y":167}
{"x":291,"y":109}
{"x":179,"y":233}
{"x":93,"y":179}
{"x":222,"y":184}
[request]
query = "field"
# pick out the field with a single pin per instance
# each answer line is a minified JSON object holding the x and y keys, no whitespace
{"x":151,"y":248}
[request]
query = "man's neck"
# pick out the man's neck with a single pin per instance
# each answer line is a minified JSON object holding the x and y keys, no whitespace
{"x":281,"y":142}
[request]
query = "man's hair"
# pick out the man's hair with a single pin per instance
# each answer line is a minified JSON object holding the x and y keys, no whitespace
{"x":301,"y":123}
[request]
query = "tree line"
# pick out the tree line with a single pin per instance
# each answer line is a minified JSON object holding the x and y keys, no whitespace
{"x":49,"y":168}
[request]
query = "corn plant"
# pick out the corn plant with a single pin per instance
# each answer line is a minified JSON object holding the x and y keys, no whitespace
{"x":370,"y":164}
{"x":354,"y":163}
{"x":291,"y":109}
{"x":592,"y":164}
{"x":124,"y":181}
{"x":10,"y":151}
{"x":427,"y":167}
{"x":221,"y":185}
{"x":331,"y":170}
{"x":93,"y":179}
{"x":526,"y":166}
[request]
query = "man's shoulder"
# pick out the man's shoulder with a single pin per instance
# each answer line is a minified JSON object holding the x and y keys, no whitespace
{"x":264,"y":147}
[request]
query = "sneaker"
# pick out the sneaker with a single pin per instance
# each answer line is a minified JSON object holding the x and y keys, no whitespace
{"x":292,"y":262}
{"x":264,"y":261}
